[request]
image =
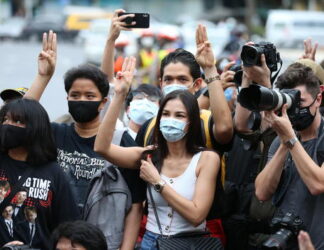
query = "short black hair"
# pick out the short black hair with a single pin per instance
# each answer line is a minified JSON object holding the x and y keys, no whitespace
{"x":39,"y":141}
{"x":90,"y":72}
{"x":185,"y":57}
{"x":298,"y":74}
{"x":148,"y":89}
{"x":81,"y":232}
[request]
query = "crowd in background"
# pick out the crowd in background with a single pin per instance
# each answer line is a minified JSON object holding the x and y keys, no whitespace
{"x":172,"y":126}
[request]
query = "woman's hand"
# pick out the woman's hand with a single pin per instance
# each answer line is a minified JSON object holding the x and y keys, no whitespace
{"x":118,"y":24}
{"x":148,"y":172}
{"x":124,"y":78}
{"x":204,"y":55}
{"x":47,"y":57}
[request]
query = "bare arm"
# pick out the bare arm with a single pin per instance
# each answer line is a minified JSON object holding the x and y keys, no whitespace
{"x":311,"y":174}
{"x":268,"y":179}
{"x":114,"y":153}
{"x":132,"y":226}
{"x":117,"y":24}
{"x":223,"y":123}
{"x":46,"y":66}
{"x":195,"y":210}
{"x":309,"y":171}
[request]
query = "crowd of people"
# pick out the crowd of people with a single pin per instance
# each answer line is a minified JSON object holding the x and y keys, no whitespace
{"x":193,"y":158}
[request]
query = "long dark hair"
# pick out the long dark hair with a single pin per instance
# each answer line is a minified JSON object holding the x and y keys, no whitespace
{"x":194,"y":139}
{"x":39,"y":141}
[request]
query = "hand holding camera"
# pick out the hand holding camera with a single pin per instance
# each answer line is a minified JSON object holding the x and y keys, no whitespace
{"x":227,"y":76}
{"x":258,"y":74}
{"x":281,"y":124}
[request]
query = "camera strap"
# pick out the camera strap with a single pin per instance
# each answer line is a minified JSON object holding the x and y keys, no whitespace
{"x":273,"y":78}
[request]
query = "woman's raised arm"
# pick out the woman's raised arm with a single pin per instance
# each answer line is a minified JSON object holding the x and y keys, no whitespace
{"x":120,"y":156}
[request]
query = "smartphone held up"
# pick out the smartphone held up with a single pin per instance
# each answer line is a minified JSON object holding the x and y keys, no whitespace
{"x":142,"y":20}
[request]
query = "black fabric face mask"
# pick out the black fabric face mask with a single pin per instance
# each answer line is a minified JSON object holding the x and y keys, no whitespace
{"x":12,"y":136}
{"x":84,"y":111}
{"x":304,"y":118}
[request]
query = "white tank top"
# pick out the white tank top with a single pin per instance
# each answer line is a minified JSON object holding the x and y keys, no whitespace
{"x":171,"y":221}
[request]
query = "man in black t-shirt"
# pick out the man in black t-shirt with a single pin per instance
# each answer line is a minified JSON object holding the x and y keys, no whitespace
{"x":87,"y":88}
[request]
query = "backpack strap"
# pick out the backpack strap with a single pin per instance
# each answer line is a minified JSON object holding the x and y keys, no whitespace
{"x":205,"y":116}
{"x":149,"y":131}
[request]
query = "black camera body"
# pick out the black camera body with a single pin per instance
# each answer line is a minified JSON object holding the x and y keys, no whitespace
{"x":238,"y":74}
{"x":286,"y":228}
{"x":251,"y":55}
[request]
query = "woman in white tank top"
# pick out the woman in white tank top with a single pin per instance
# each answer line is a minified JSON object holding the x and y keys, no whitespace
{"x":182,"y":178}
{"x":180,"y":174}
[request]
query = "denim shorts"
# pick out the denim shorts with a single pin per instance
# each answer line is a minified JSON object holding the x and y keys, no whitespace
{"x":149,"y":241}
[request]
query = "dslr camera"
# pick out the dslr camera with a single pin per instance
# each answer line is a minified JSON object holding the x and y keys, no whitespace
{"x":286,"y":228}
{"x":259,"y":98}
{"x":251,"y":55}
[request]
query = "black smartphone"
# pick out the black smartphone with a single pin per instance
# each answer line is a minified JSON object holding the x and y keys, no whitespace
{"x":142,"y":20}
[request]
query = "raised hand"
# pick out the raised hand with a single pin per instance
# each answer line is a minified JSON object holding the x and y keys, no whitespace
{"x":118,"y":24}
{"x":204,"y":55}
{"x":124,"y":78}
{"x":47,"y":57}
{"x":309,"y":50}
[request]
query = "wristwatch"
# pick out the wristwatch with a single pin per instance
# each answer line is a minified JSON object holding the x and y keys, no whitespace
{"x":158,"y":187}
{"x":291,"y":142}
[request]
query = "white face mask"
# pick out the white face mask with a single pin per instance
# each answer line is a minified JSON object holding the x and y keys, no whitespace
{"x":142,"y":110}
{"x":147,"y":42}
{"x":172,"y":87}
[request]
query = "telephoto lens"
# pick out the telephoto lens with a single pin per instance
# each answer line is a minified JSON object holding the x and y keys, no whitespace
{"x":259,"y":98}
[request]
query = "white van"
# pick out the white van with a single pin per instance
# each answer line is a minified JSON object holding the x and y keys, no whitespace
{"x":289,"y":28}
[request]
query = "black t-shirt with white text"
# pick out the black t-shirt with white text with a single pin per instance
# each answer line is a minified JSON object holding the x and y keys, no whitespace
{"x":48,"y":201}
{"x":80,"y":162}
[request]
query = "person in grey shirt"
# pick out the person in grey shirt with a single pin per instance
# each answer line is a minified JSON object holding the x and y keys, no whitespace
{"x":293,"y":176}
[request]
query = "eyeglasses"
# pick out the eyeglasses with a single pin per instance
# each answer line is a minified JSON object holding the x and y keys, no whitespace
{"x":142,"y":95}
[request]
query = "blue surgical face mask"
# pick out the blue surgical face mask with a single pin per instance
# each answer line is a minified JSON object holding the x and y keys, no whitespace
{"x":172,"y":129}
{"x":142,"y":110}
{"x":172,"y":87}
